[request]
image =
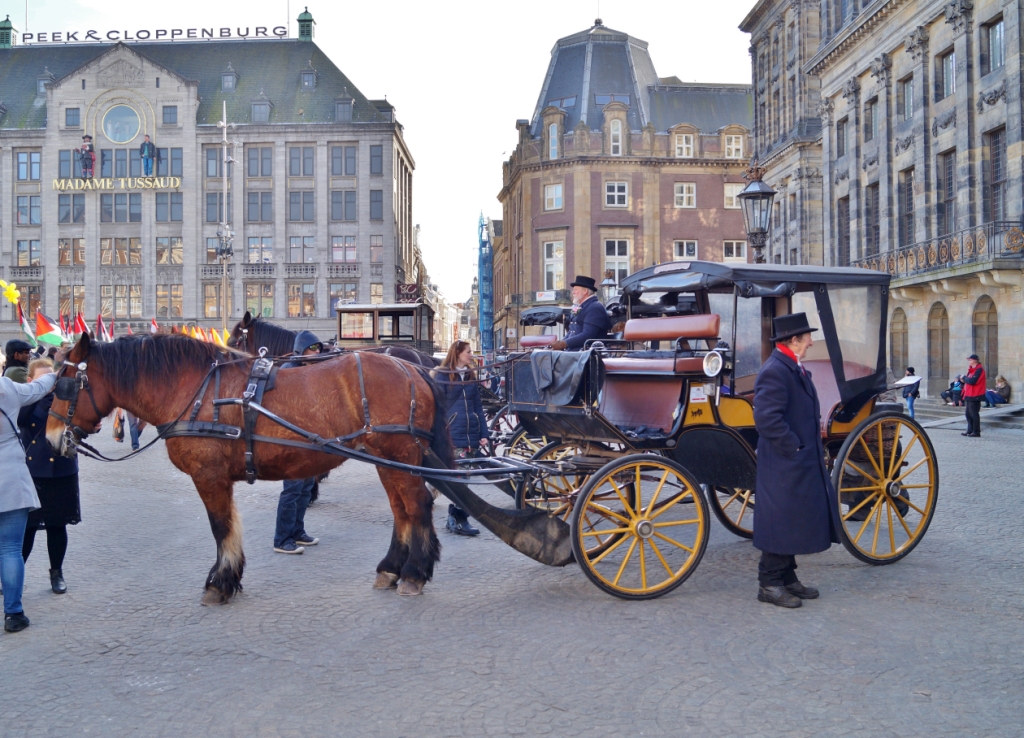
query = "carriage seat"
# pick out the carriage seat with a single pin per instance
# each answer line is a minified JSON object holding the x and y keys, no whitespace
{"x":668,"y":364}
{"x":665,"y":329}
{"x":528,"y":342}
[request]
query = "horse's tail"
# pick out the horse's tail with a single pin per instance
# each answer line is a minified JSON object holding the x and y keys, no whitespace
{"x":441,"y":444}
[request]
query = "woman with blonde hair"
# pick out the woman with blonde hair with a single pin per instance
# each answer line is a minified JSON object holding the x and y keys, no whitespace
{"x":999,"y":395}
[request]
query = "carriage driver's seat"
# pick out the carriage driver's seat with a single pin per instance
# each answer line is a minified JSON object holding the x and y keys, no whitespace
{"x":532,"y":342}
{"x":670,"y":328}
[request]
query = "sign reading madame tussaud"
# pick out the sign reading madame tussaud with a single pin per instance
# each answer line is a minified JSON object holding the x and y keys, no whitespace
{"x":160,"y":34}
{"x":118,"y":183}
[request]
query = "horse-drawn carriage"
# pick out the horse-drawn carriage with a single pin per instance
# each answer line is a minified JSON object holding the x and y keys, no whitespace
{"x":649,"y":433}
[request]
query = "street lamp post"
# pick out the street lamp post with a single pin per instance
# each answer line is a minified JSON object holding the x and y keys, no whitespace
{"x":756,"y":201}
{"x":224,"y":250}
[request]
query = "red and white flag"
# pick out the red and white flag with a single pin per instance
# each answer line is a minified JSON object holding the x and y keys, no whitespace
{"x":153,"y":327}
{"x":63,"y":326}
{"x":101,"y":329}
{"x":110,"y":333}
{"x":130,"y":332}
{"x":80,"y":326}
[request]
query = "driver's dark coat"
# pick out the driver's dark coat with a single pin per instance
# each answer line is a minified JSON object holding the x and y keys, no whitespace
{"x":590,"y":322}
{"x":795,"y":507}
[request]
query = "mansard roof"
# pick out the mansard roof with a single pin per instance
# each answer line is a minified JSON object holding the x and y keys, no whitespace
{"x":592,"y":67}
{"x":271,"y":65}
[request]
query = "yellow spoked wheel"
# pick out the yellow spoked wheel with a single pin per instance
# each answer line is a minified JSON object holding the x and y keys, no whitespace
{"x":734,"y":509}
{"x":887,"y":480}
{"x":652,"y":521}
{"x":555,"y":493}
{"x":522,"y":445}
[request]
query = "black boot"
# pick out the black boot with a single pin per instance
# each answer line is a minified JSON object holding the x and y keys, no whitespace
{"x":458,"y":522}
{"x":57,"y":581}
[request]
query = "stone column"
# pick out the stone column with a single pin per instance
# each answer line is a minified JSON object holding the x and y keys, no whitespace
{"x":280,"y":227}
{"x":881,"y":70}
{"x":826,"y":108}
{"x":916,"y":44}
{"x":968,"y":194}
{"x":1014,"y":134}
{"x":851,"y":93}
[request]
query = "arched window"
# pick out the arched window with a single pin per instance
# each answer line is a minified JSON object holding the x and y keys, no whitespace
{"x":616,"y":142}
{"x":899,"y":351}
{"x":985,"y":335}
{"x":938,"y":343}
{"x":553,"y":141}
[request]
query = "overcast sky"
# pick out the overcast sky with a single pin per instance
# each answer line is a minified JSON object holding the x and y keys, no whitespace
{"x":459,"y":74}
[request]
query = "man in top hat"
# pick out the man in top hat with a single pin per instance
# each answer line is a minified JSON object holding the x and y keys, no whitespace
{"x":973,"y":394}
{"x":796,"y":510}
{"x":589,"y":318}
{"x":87,"y":157}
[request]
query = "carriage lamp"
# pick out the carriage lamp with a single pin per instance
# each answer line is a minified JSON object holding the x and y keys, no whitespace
{"x":756,"y":201}
{"x":608,"y":285}
{"x":713,"y":363}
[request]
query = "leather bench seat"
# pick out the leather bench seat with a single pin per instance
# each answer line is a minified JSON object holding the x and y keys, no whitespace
{"x":668,"y":365}
{"x":669,"y":328}
{"x":537,"y":341}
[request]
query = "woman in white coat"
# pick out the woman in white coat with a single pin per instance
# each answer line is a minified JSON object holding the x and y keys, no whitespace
{"x":17,"y":494}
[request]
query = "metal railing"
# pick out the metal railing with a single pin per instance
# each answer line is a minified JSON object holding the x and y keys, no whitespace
{"x":987,"y":241}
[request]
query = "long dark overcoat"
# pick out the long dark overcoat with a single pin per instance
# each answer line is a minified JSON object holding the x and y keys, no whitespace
{"x":795,"y":511}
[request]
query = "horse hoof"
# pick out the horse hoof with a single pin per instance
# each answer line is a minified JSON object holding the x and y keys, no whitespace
{"x":407,"y":588}
{"x":385,"y":580}
{"x":213,"y":597}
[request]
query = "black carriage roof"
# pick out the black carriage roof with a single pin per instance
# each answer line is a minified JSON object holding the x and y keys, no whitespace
{"x":713,"y":276}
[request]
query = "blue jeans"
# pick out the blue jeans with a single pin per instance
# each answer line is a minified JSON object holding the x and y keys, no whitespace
{"x":12,"y":566}
{"x":993,"y":398}
{"x":147,"y":166}
{"x":133,"y":429}
{"x":910,"y":405}
{"x":291,"y":510}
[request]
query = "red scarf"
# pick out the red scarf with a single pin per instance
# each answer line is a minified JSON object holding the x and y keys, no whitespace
{"x":786,"y":351}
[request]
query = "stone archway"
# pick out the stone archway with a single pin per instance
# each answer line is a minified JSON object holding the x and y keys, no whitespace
{"x":938,"y":347}
{"x":899,"y":347}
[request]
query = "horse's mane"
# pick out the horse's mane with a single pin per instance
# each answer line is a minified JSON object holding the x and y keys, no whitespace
{"x":161,"y":355}
{"x":279,"y":341}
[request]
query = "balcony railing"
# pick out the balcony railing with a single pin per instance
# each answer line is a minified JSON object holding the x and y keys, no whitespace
{"x":214,"y":271}
{"x":998,"y":239}
{"x":261,"y":271}
{"x":29,"y":274}
{"x":342,"y":270}
{"x":302,"y":271}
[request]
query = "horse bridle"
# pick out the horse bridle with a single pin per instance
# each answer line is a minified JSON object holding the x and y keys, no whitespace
{"x":69,"y":389}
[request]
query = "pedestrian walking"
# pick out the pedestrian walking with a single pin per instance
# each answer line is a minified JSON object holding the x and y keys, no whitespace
{"x":18,"y":495}
{"x":18,"y":353}
{"x":135,"y":428}
{"x":464,"y":414}
{"x":911,"y":392}
{"x":999,"y":395}
{"x":973,"y":394}
{"x":589,"y":319}
{"x":797,"y":512}
{"x":56,"y":481}
{"x":290,"y":535}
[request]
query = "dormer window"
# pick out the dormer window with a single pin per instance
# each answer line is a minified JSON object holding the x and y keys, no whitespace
{"x":343,"y":111}
{"x":309,"y":80}
{"x":563,"y":102}
{"x":228,"y":79}
{"x":260,"y":112}
{"x":605,"y":99}
{"x":42,"y":80}
{"x":615,"y":149}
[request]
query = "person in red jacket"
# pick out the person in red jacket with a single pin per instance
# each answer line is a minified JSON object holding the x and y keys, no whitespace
{"x":974,"y":393}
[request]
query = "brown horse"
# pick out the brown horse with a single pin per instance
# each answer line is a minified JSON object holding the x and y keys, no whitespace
{"x":157,"y":378}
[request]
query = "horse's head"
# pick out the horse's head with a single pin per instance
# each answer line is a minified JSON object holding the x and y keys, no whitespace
{"x":81,"y":399}
{"x":242,"y":334}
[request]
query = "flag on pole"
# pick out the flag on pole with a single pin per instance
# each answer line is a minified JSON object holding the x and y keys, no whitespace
{"x":110,"y":333}
{"x":47,"y":331}
{"x":215,"y":337}
{"x":130,"y":332}
{"x":227,"y":337}
{"x":80,"y":326}
{"x":63,"y":325}
{"x":101,"y":329}
{"x":153,"y":327}
{"x":25,"y":327}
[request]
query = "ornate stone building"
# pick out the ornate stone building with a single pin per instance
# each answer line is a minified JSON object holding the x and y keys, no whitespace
{"x":787,"y":129}
{"x":319,"y":193}
{"x":618,"y":169}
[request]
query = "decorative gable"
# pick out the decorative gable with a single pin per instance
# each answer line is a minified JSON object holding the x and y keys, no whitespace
{"x":121,"y":73}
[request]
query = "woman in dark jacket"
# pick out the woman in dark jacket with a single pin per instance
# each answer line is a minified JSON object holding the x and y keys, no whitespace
{"x":464,"y":414}
{"x":56,"y":480}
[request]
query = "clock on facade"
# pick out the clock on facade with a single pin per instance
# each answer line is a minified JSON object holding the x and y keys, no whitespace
{"x":121,"y":124}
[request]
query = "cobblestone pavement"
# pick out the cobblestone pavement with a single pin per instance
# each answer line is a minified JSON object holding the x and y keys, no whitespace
{"x":500,"y":645}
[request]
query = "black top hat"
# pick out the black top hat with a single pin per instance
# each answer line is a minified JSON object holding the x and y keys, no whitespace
{"x":582,"y":281}
{"x":787,"y":326}
{"x":87,"y":136}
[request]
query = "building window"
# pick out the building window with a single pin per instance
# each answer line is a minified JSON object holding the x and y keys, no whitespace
{"x":872,"y":220}
{"x":259,"y":299}
{"x":170,"y":115}
{"x":169,"y":250}
{"x":996,"y":180}
{"x":300,"y":161}
{"x":212,"y":162}
{"x":71,"y":208}
{"x":871,"y":120}
{"x":301,"y":250}
{"x":905,"y":98}
{"x":684,"y":145}
{"x":734,"y":147}
{"x":686,"y":194}
{"x":212,"y":300}
{"x":107,"y":300}
{"x":376,"y":293}
{"x":343,"y":161}
{"x":946,"y":209}
{"x":616,"y":138}
{"x":343,"y":111}
{"x":841,"y":138}
{"x":301,"y":300}
{"x":616,"y":258}
{"x":72,"y":117}
{"x":31,"y":299}
{"x":376,"y":204}
{"x":72,"y":299}
{"x":121,"y":251}
{"x":344,"y":292}
{"x":29,"y":253}
{"x":792,"y":208}
{"x":162,"y":161}
{"x":260,"y":207}
{"x":127,"y":300}
{"x":227,"y":82}
{"x":168,"y":300}
{"x":554,"y":265}
{"x":985,"y":336}
{"x":945,"y":76}
{"x":30,"y":210}
{"x":134,"y":163}
{"x":212,"y":250}
{"x":71,"y":251}
{"x":605,"y":99}
{"x":615,"y":194}
{"x":553,"y":197}
{"x":260,"y":112}
{"x":992,"y":47}
{"x":343,"y":249}
{"x":899,"y":345}
{"x":260,"y":162}
{"x":376,"y":160}
{"x":905,"y":203}
{"x":260,"y":250}
{"x":734,"y":250}
{"x":843,"y":231}
{"x":938,"y":343}
{"x":343,"y":205}
{"x":376,"y":249}
{"x":308,"y":80}
{"x":300,"y":206}
{"x":29,"y":165}
{"x":215,"y":207}
{"x":68,"y":165}
{"x":135,"y":207}
{"x":168,"y":206}
{"x":684,"y":250}
{"x":732,"y":189}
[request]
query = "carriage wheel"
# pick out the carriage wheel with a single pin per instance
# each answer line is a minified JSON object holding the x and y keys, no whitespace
{"x":555,"y":493}
{"x":887,"y":480}
{"x":503,"y":424}
{"x":734,"y":509}
{"x":658,"y":518}
{"x":522,"y":445}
